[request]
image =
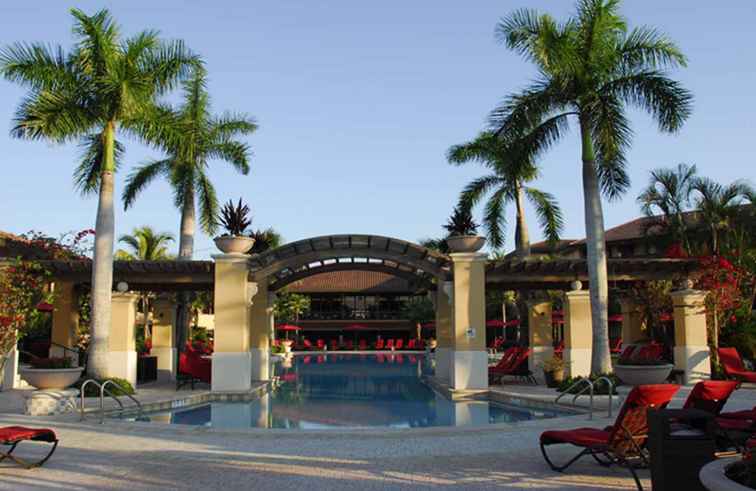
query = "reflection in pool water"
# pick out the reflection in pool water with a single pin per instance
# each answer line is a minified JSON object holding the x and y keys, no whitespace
{"x":350,"y":390}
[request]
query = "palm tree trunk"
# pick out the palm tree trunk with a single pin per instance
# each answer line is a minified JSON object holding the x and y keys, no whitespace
{"x":522,"y":237}
{"x":102,"y":264}
{"x":596,"y":256}
{"x":186,"y":251}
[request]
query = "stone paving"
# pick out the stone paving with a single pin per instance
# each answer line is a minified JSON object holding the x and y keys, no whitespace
{"x":141,"y":456}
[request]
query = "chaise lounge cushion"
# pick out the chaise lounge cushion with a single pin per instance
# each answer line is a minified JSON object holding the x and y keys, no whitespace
{"x":582,"y":437}
{"x":13,"y":434}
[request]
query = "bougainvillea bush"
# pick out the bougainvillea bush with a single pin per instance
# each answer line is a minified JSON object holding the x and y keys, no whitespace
{"x":23,"y":286}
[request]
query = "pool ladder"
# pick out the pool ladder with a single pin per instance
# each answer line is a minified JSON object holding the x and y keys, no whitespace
{"x":589,"y":387}
{"x":104,"y":390}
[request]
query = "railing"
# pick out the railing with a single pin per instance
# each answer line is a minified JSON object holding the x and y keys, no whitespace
{"x":104,"y":390}
{"x":589,"y":387}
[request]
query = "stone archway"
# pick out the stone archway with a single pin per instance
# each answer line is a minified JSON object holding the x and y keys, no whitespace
{"x":243,"y":310}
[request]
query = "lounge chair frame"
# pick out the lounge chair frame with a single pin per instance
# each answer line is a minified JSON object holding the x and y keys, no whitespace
{"x":23,"y":462}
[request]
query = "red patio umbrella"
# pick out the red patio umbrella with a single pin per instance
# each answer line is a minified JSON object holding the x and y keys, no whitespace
{"x":494,"y":323}
{"x":355,"y":328}
{"x":287,"y":328}
{"x":45,"y":307}
{"x":615,"y":318}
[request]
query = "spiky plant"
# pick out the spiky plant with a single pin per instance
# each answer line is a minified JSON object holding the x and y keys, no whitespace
{"x":591,"y":67}
{"x":461,"y":222}
{"x":235,"y":218}
{"x":506,"y":184}
{"x":103,"y":84}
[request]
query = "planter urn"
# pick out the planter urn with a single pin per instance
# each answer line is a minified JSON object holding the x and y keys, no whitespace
{"x":232,"y":244}
{"x":51,"y":378}
{"x":643,"y":374}
{"x":465,"y":243}
{"x":713,"y":477}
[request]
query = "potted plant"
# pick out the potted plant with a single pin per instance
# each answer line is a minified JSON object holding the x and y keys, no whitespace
{"x":553,"y":371}
{"x":235,"y":219}
{"x":641,"y":371}
{"x":51,"y":373}
{"x":731,"y":474}
{"x":463,"y":231}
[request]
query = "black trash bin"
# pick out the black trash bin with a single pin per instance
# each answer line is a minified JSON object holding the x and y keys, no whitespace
{"x":680,"y":442}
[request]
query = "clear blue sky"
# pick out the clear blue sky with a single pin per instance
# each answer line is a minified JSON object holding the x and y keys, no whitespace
{"x":358,"y":101}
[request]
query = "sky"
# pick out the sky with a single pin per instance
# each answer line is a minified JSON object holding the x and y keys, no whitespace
{"x":357,"y":103}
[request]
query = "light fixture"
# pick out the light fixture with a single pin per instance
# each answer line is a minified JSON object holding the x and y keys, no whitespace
{"x":122,"y":287}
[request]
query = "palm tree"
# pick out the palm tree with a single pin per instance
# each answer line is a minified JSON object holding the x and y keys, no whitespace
{"x":191,"y":137}
{"x":590,"y":68}
{"x":668,"y":195}
{"x":103,"y":84}
{"x":720,"y":208}
{"x":145,"y":245}
{"x":507,"y":183}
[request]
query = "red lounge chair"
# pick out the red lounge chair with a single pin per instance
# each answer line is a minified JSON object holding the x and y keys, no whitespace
{"x":379,"y":344}
{"x":390,"y":344}
{"x":334,"y":345}
{"x":733,"y":365}
{"x":363,"y":345}
{"x":710,"y":395}
{"x":411,"y":344}
{"x":13,"y":435}
{"x":505,"y":360}
{"x":399,"y":344}
{"x":621,"y":443}
{"x":307,"y":344}
{"x":517,"y":367}
{"x":616,"y":347}
{"x":192,"y":369}
{"x":350,"y":344}
{"x":320,"y":344}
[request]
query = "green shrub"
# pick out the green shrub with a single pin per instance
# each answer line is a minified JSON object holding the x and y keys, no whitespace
{"x":51,"y":363}
{"x":600,"y":389}
{"x":123,"y":387}
{"x":277,"y":350}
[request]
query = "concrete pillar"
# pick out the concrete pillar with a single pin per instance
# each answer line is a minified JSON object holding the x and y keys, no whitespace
{"x":259,"y":331}
{"x":164,"y":336}
{"x":122,"y":356}
{"x":469,"y":359}
{"x":10,"y":378}
{"x":578,"y":333}
{"x":541,"y":339}
{"x":691,"y":344}
{"x":444,"y":329}
{"x":232,"y":362}
{"x":271,"y":317}
{"x":65,"y":320}
{"x":632,"y":321}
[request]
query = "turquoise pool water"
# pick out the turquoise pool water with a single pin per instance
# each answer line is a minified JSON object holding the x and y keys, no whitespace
{"x":350,"y":391}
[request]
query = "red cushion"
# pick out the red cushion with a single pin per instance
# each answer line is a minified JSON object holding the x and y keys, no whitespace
{"x":743,"y":375}
{"x":12,"y":434}
{"x":735,"y":424}
{"x":747,"y":414}
{"x":582,"y":437}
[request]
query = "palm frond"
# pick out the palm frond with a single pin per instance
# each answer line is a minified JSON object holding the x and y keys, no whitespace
{"x":37,"y":66}
{"x":549,"y":213}
{"x":234,"y":152}
{"x":208,"y":204}
{"x":231,"y":125}
{"x":168,"y":64}
{"x":494,"y":219}
{"x":56,"y":115}
{"x":647,"y":48}
{"x":140,"y":177}
{"x":87,"y":174}
{"x":98,"y":41}
{"x":478,"y":188}
{"x":612,"y":135}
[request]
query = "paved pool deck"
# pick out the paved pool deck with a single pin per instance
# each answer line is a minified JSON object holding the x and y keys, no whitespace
{"x":141,"y":456}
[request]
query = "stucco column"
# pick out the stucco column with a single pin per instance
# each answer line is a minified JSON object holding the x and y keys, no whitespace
{"x":578,"y":331}
{"x":632,"y":320}
{"x":469,"y":359}
{"x":65,"y":320}
{"x":444,"y":328}
{"x":271,"y":317}
{"x":259,"y":330}
{"x":540,"y":335}
{"x":122,"y":356}
{"x":691,"y":346}
{"x":232,"y":362}
{"x":164,"y":337}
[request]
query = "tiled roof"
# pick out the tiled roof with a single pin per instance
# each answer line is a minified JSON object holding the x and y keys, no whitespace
{"x":12,"y":246}
{"x":351,"y":281}
{"x":638,"y":228}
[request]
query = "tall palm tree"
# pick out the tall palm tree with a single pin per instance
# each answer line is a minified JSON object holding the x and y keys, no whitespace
{"x":590,"y":68}
{"x":145,"y":245}
{"x":105,"y":83}
{"x":507,"y":184}
{"x":721,"y":207}
{"x":191,"y":137}
{"x":668,"y":194}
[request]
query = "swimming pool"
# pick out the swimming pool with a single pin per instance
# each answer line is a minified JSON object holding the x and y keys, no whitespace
{"x":327,"y":391}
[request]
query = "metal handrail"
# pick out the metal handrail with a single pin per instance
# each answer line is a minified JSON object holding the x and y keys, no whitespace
{"x":104,"y":390}
{"x":590,"y":386}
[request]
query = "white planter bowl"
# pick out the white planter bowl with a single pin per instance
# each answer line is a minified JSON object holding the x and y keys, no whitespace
{"x":50,"y":378}
{"x":643,"y":374}
{"x":713,"y":477}
{"x":234,"y":245}
{"x":465,"y":243}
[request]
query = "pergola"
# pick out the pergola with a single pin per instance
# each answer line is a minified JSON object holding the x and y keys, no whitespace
{"x":244,"y":285}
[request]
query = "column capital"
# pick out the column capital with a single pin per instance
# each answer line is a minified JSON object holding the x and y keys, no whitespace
{"x":468,"y":257}
{"x":124,"y":297}
{"x":234,"y":257}
{"x":688,"y":296}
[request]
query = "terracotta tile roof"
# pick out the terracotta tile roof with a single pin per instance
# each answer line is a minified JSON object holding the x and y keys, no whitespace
{"x":352,"y":282}
{"x":12,"y":246}
{"x":636,"y":229}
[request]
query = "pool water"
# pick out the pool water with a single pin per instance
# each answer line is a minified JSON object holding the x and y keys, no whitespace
{"x":322,"y":391}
